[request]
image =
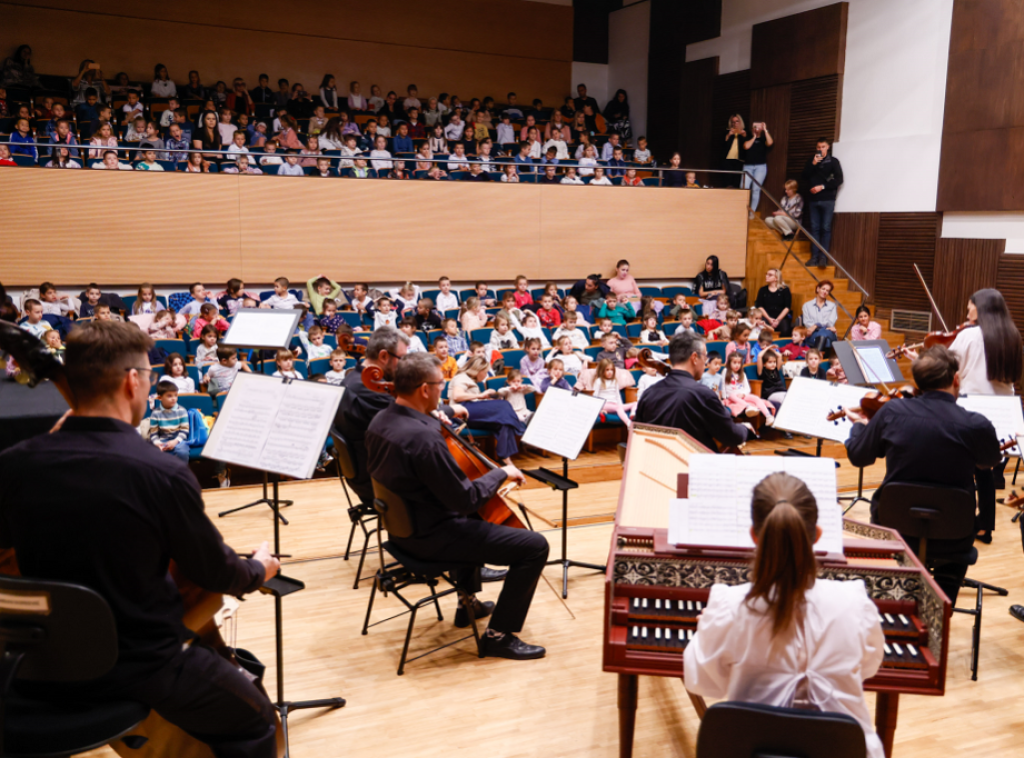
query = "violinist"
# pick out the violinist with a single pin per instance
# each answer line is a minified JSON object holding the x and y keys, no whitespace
{"x":989,"y":350}
{"x":928,"y":439}
{"x":94,"y":504}
{"x":682,"y":402}
{"x":407,"y":455}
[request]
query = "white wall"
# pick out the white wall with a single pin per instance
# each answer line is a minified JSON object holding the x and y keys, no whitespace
{"x":628,"y":44}
{"x":992,"y":225}
{"x":594,"y":75}
{"x":893,"y":93}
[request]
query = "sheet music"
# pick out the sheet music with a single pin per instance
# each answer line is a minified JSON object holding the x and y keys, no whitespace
{"x":717,"y":511}
{"x":808,"y":403}
{"x":274,"y":426}
{"x":874,"y":366}
{"x":562,"y":422}
{"x":1004,"y":411}
{"x":262,"y":327}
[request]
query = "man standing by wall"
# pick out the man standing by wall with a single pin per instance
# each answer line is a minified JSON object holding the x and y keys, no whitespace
{"x":824,"y":176}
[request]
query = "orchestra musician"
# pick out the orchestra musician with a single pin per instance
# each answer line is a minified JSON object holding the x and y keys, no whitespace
{"x":787,"y":638}
{"x":94,"y":504}
{"x":928,"y":440}
{"x":408,"y":455}
{"x":681,"y":401}
{"x":989,"y":350}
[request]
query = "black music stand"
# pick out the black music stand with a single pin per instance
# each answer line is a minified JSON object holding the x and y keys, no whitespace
{"x":262,"y":329}
{"x":561,"y":425}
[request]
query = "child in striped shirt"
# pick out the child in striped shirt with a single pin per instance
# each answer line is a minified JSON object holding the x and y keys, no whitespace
{"x":168,"y":423}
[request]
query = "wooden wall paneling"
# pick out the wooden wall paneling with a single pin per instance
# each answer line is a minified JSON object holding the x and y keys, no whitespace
{"x":905,"y":239}
{"x":962,"y":267}
{"x":509,"y":45}
{"x":731,"y":95}
{"x":696,"y":107}
{"x":806,"y":45}
{"x":260,"y":228}
{"x":814,"y":113}
{"x":1010,"y":275}
{"x":111,"y":227}
{"x":772,"y":106}
{"x":664,"y":232}
{"x":855,"y":246}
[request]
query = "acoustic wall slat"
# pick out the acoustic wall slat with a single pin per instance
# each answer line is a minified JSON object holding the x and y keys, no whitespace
{"x":800,"y":46}
{"x":855,"y":246}
{"x":814,"y":114}
{"x":1010,"y":275}
{"x":772,"y":105}
{"x":696,"y":118}
{"x":732,"y":95}
{"x":905,"y":239}
{"x":962,"y":267}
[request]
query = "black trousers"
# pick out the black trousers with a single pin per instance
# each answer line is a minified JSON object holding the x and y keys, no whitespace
{"x":211,"y":700}
{"x":985,"y":481}
{"x":474,"y":541}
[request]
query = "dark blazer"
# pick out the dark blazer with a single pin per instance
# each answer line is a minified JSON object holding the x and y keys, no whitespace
{"x":681,"y":402}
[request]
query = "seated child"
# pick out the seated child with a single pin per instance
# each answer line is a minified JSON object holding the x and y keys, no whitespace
{"x":522,"y":294}
{"x":282,"y":298}
{"x":446,"y":299}
{"x":863,"y":328}
{"x":714,"y":318}
{"x":572,"y":362}
{"x":510,"y":311}
{"x":649,"y":379}
{"x":773,"y":383}
{"x":208,"y":316}
{"x":206,"y":353}
{"x":408,"y":327}
{"x":222,"y":374}
{"x":503,"y":338}
{"x":35,"y":324}
{"x":53,"y":344}
{"x":168,"y":422}
{"x":174,"y":372}
{"x":606,"y":387}
{"x":604,"y":328}
{"x":797,"y":350}
{"x":54,"y":303}
{"x":679,"y":307}
{"x":836,"y":373}
{"x":814,"y":369}
{"x":735,"y":392}
{"x":618,"y":312}
{"x":285,"y":361}
{"x":765,"y":341}
{"x":711,"y":378}
{"x":457,"y":342}
{"x":548,"y":314}
{"x":337,"y":372}
{"x":686,"y":323}
{"x":515,"y":392}
{"x":651,"y":334}
{"x":162,"y":327}
{"x":583,"y":315}
{"x":740,"y":344}
{"x":449,"y":366}
{"x":473,"y":315}
{"x":531,"y":329}
{"x":613,"y":350}
{"x":384,"y":316}
{"x":555,"y":377}
{"x":320,"y":289}
{"x":331,"y":321}
{"x":568,"y":329}
{"x":485,"y":299}
{"x":360,"y":300}
{"x":532,"y":365}
{"x":313,"y":342}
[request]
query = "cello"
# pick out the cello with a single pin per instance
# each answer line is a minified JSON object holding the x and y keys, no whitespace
{"x":199,"y":606}
{"x":470,"y":460}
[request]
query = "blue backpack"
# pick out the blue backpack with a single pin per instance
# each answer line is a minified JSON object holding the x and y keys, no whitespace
{"x":198,"y":434}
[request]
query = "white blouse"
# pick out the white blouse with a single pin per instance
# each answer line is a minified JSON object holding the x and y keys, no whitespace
{"x":969,"y":348}
{"x":837,"y":647}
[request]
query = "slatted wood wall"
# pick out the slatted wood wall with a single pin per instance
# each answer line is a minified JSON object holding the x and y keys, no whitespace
{"x":773,"y":106}
{"x":855,"y":246}
{"x":905,"y":239}
{"x":814,"y":114}
{"x":1010,"y":278}
{"x":731,"y":95}
{"x":962,"y":267}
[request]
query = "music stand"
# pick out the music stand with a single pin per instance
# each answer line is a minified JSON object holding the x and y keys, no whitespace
{"x":262,"y":329}
{"x":265,"y":424}
{"x":561,"y":425}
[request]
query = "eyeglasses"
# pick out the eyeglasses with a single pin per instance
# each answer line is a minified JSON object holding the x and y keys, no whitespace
{"x":153,"y":377}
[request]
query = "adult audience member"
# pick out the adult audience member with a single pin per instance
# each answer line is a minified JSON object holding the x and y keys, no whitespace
{"x":824,"y":176}
{"x":755,"y":162}
{"x":710,"y":283}
{"x":820,"y":316}
{"x":775,"y":301}
{"x":734,"y":141}
{"x":616,"y":114}
{"x":90,"y":76}
{"x":583,"y":99}
{"x":17,"y":70}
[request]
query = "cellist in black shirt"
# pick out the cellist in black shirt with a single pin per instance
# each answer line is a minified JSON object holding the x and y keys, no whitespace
{"x":95,"y":504}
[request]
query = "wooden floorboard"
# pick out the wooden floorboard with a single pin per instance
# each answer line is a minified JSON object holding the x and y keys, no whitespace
{"x":454,"y":704}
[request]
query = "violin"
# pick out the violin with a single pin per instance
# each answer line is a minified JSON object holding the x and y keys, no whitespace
{"x":931,"y":340}
{"x":470,"y":460}
{"x":873,"y":402}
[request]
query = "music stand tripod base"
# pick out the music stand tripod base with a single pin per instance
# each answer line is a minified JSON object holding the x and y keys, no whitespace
{"x":563,"y":484}
{"x":262,"y":501}
{"x":279,"y":586}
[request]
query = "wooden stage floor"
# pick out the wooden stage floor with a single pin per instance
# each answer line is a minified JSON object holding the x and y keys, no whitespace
{"x":453,"y":704}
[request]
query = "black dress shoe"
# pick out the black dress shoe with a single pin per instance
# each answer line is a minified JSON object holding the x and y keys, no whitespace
{"x":510,"y":647}
{"x":1017,"y":611}
{"x":492,"y":575}
{"x":985,"y":536}
{"x":480,"y":610}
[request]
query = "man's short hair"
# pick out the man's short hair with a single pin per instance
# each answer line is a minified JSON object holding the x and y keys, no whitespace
{"x":683,"y":345}
{"x":98,"y":354}
{"x":386,"y":338}
{"x":935,"y":368}
{"x":413,"y":371}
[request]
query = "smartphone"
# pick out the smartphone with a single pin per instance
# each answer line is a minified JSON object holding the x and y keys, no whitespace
{"x":94,"y":66}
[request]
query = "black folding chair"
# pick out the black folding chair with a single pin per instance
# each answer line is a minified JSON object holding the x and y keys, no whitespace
{"x":407,"y":571}
{"x":56,"y":633}
{"x":927,"y":512}
{"x":362,"y":515}
{"x":751,"y":730}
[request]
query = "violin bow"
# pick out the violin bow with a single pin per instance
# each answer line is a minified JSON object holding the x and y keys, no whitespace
{"x":931,"y":299}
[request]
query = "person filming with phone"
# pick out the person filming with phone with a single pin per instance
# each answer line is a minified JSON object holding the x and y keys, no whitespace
{"x":823,"y":176}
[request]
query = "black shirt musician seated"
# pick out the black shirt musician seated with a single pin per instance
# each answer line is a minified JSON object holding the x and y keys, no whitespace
{"x":95,"y":504}
{"x":408,"y":455}
{"x":928,"y":440}
{"x":681,"y":401}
